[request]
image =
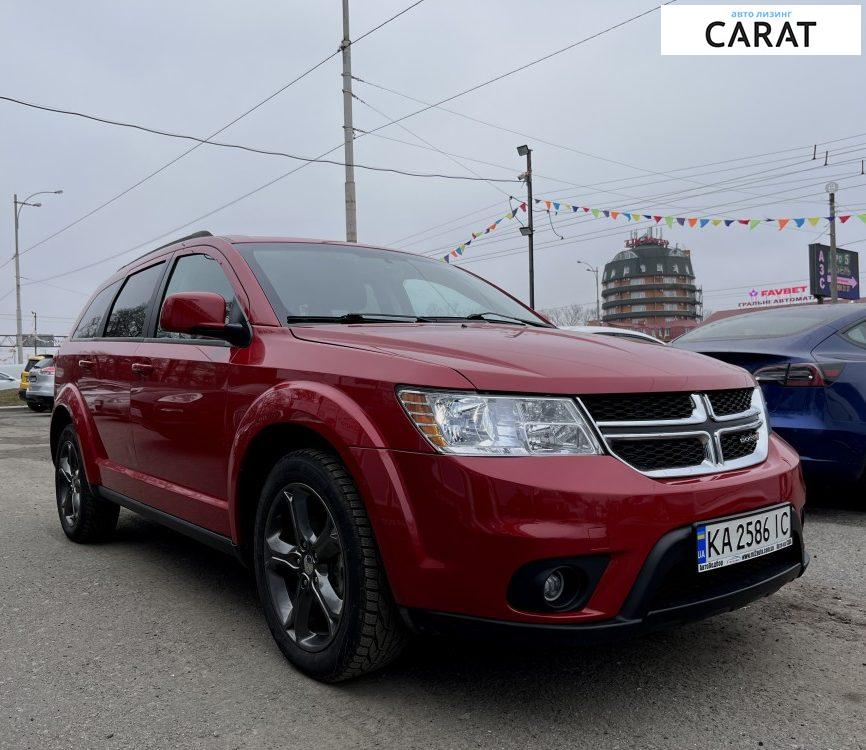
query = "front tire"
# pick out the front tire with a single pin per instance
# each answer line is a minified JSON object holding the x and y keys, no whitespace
{"x":84,"y":516}
{"x":322,"y":586}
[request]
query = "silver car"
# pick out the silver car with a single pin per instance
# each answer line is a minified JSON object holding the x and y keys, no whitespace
{"x":40,"y":385}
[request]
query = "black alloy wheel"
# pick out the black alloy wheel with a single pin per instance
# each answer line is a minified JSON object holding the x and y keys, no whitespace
{"x":323,"y":588}
{"x":83,"y":516}
{"x":305,"y":572}
{"x":68,"y":484}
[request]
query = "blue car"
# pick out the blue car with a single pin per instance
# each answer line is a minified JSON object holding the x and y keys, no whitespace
{"x":811,"y":364}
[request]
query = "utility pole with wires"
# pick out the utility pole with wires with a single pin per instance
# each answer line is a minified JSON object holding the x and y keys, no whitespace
{"x":528,"y":231}
{"x":831,"y":188}
{"x":348,"y":131}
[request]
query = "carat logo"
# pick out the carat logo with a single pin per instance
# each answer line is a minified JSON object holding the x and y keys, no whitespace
{"x":753,"y":293}
{"x":760,"y":30}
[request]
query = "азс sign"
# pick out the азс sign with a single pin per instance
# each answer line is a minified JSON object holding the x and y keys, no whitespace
{"x":847,"y":272}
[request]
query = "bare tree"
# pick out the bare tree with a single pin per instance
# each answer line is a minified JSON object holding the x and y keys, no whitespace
{"x":570,"y":315}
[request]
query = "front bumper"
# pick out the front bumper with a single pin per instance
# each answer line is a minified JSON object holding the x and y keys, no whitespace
{"x":453,"y":531}
{"x":649,"y":606}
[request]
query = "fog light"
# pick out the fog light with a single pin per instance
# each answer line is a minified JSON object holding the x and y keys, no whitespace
{"x":554,"y":585}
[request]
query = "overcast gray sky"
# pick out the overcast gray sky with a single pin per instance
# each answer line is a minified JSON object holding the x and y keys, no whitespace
{"x":193,"y":66}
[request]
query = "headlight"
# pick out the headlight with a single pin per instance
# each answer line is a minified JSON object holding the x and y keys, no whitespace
{"x":475,"y":425}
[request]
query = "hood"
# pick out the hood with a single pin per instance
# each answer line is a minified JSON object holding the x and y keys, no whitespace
{"x":515,"y":359}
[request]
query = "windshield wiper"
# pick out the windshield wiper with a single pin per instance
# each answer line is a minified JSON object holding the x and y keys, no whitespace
{"x":353,"y":318}
{"x":496,"y":317}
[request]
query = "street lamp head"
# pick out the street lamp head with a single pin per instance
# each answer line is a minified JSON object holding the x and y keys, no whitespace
{"x":36,"y":205}
{"x":58,"y":192}
{"x":522,"y":150}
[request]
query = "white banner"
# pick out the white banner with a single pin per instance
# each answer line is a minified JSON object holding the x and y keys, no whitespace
{"x":760,"y":29}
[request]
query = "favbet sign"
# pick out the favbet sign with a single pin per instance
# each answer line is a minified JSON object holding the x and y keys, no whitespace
{"x":760,"y":29}
{"x":778,"y":295}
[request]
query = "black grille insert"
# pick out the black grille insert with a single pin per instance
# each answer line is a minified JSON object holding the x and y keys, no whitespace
{"x":738,"y":444}
{"x":731,"y":401}
{"x":639,"y":407}
{"x":660,"y":453}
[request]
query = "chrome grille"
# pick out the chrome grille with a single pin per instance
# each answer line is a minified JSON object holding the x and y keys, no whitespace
{"x":656,"y":434}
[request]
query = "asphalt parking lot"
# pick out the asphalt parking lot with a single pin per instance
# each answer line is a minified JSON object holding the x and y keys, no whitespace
{"x":153,"y":640}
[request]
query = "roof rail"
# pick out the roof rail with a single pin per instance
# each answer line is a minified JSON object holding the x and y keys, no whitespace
{"x":193,"y":236}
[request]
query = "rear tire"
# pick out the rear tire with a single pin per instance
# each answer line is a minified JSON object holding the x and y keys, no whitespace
{"x":84,"y":517}
{"x":322,"y":586}
{"x":35,"y":406}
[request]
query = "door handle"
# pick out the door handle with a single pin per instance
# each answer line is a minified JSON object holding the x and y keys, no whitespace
{"x":141,"y":368}
{"x":85,"y":364}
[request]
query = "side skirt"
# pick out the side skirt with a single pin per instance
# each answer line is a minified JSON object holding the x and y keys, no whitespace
{"x":205,"y":536}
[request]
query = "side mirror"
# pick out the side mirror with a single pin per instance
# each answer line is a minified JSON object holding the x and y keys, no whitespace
{"x":201,"y":314}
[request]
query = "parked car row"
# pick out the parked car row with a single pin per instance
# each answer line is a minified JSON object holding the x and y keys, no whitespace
{"x":34,"y":382}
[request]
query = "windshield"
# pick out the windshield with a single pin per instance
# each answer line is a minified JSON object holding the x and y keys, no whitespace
{"x":787,"y":321}
{"x":335,"y":281}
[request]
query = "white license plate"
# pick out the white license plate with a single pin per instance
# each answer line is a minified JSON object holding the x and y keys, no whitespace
{"x":736,"y":540}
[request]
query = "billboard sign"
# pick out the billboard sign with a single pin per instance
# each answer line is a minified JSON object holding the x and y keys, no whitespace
{"x":847,"y":272}
{"x":777,"y":295}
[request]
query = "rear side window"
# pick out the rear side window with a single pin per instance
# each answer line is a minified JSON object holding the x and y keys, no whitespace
{"x":47,"y":362}
{"x":857,"y":334}
{"x":198,"y":273}
{"x":90,"y":322}
{"x":129,"y":313}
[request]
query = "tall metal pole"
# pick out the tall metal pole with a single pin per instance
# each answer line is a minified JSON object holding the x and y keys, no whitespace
{"x":834,"y":291}
{"x":348,"y":131}
{"x":529,"y":231}
{"x":19,"y":342}
{"x":35,"y":333}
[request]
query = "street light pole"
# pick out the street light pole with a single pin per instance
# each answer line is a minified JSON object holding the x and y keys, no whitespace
{"x":35,"y":333}
{"x":594,"y":269}
{"x":19,"y":348}
{"x":16,"y":207}
{"x":528,"y":231}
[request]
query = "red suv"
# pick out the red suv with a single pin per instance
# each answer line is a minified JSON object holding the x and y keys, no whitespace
{"x":393,"y":444}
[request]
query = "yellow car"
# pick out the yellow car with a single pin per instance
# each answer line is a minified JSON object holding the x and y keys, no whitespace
{"x":22,"y":389}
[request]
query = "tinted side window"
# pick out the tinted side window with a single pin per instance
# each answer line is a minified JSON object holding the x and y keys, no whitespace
{"x":129,"y":313}
{"x":92,"y":318}
{"x":198,"y":273}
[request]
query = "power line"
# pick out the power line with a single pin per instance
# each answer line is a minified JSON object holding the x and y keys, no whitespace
{"x":250,"y":149}
{"x":787,"y":186}
{"x":644,"y":184}
{"x":405,"y":117}
{"x":222,"y":129}
{"x":523,"y":67}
